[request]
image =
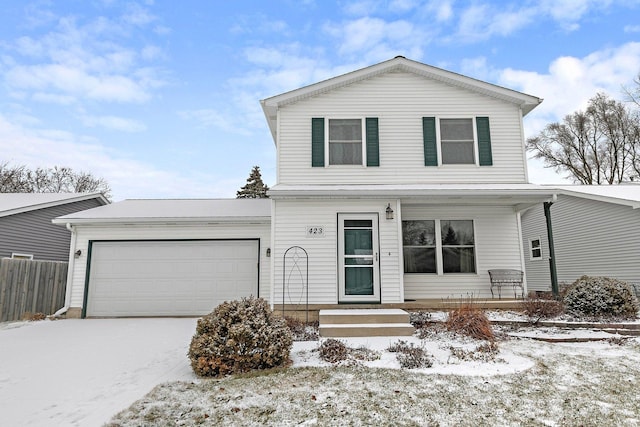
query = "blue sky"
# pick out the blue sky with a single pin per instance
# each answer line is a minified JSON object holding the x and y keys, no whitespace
{"x":161,"y":98}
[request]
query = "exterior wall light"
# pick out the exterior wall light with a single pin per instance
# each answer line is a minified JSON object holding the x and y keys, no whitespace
{"x":389,"y":211}
{"x":268,"y":252}
{"x":78,"y":253}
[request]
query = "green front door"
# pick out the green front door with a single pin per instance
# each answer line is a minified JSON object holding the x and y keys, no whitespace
{"x":358,"y":258}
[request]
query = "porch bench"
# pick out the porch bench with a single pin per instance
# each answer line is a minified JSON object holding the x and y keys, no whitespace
{"x":506,"y":277}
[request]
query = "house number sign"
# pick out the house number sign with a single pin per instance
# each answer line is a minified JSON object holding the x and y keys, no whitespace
{"x":315,"y":231}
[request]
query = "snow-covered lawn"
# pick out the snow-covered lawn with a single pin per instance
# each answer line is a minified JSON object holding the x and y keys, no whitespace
{"x":83,"y":372}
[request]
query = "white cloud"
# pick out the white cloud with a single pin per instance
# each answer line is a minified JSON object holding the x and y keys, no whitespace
{"x":632,"y":28}
{"x":208,"y":117}
{"x":128,"y":178}
{"x":114,"y":123}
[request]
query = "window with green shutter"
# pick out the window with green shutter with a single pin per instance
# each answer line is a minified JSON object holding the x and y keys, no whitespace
{"x":343,"y":141}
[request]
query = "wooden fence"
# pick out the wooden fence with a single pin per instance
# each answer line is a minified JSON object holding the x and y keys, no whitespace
{"x":31,"y":287}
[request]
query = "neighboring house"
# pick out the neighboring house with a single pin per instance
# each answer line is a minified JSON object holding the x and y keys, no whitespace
{"x":596,"y":231}
{"x":400,"y":181}
{"x":26,"y":231}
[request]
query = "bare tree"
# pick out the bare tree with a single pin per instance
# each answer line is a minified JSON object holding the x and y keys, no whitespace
{"x":20,"y":179}
{"x":600,"y":145}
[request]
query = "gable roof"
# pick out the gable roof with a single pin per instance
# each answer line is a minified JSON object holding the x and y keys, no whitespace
{"x":399,"y":63}
{"x":15,"y":203}
{"x":174,"y":211}
{"x":620,"y":194}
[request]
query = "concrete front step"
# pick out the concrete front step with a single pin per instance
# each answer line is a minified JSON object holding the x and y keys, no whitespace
{"x":366,"y":330}
{"x":360,"y":316}
{"x":364,"y":323}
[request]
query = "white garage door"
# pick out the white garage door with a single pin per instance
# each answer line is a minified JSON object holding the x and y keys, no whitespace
{"x":169,"y":278}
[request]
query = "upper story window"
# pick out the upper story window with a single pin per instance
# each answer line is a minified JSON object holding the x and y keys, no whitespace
{"x":457,"y":141}
{"x":348,"y":141}
{"x":345,"y":142}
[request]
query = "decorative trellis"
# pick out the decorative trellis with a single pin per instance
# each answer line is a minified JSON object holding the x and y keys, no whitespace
{"x":295,"y":271}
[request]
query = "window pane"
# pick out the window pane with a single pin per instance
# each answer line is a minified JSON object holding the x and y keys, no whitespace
{"x":345,"y":153}
{"x":358,"y":281}
{"x":343,"y":130}
{"x":535,"y":243}
{"x":419,"y":233}
{"x":457,"y":152}
{"x":536,"y":253}
{"x":360,"y":223}
{"x":457,"y":232}
{"x":358,"y":261}
{"x":458,"y":260}
{"x":456,"y":129}
{"x":358,"y":242}
{"x":419,"y":260}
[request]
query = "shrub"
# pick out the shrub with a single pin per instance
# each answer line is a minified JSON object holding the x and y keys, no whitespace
{"x":33,"y":317}
{"x":333,"y":351}
{"x":239,"y":336}
{"x":485,"y":352}
{"x":410,"y":356}
{"x":420,"y":319}
{"x":302,"y":331}
{"x":544,"y":306}
{"x":601,"y":297}
{"x":468,"y":319}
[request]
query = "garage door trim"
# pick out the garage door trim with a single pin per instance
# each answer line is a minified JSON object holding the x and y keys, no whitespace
{"x":85,"y":297}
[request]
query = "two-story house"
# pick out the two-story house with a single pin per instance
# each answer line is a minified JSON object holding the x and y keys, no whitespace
{"x":394,"y":182}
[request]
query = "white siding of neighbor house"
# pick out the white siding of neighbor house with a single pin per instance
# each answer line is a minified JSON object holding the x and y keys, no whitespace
{"x":534,"y":226}
{"x":168,"y":232}
{"x":496,"y":245}
{"x":590,"y":237}
{"x":291,"y":218}
{"x":399,"y":100}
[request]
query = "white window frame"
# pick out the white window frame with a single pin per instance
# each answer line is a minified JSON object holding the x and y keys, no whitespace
{"x":531,"y":249}
{"x":327,"y":153}
{"x":16,"y":255}
{"x":439,"y":246}
{"x":476,"y":160}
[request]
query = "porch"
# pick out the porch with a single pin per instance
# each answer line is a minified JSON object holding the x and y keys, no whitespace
{"x":310,"y":312}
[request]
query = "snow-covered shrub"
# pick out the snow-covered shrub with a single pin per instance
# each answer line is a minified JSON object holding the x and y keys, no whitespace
{"x":333,"y":351}
{"x":468,"y":319}
{"x":538,"y":307}
{"x":239,"y":336}
{"x":302,"y":331}
{"x":601,"y":297}
{"x":410,"y":356}
{"x":420,"y":319}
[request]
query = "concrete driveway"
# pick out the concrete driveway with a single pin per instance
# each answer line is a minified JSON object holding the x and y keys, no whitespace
{"x":82,"y":372}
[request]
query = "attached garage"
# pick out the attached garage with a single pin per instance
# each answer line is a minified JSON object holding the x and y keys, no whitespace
{"x":169,"y":278}
{"x":167,"y":257}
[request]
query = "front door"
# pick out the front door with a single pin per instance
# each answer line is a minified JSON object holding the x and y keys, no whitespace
{"x":358,"y":266}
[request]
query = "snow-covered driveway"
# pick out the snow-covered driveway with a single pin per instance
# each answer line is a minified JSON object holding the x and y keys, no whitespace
{"x":82,"y":372}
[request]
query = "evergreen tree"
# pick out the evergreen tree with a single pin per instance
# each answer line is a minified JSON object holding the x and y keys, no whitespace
{"x":254,"y":188}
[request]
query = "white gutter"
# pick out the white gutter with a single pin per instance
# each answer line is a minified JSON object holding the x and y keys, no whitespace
{"x":72,"y":261}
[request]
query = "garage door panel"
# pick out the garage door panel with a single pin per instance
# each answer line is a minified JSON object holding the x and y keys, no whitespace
{"x":169,"y":278}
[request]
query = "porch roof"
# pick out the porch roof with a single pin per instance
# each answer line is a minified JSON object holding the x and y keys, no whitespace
{"x":519,"y":195}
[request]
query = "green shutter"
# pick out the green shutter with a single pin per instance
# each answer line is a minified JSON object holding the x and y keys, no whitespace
{"x":317,"y":142}
{"x":484,"y":141}
{"x":373,"y":151}
{"x":430,"y":144}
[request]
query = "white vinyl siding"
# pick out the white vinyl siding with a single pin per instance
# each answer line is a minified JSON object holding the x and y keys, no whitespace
{"x":291,"y":219}
{"x":164,"y":232}
{"x":590,"y":237}
{"x":399,"y":101}
{"x":497,"y":245}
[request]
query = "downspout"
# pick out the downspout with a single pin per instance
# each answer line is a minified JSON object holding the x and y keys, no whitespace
{"x":552,"y":252}
{"x":72,"y":261}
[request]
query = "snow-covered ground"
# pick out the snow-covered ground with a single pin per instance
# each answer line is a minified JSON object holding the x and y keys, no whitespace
{"x":83,"y":372}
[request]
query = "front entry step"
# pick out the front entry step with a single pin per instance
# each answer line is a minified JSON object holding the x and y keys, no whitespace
{"x":364,"y":323}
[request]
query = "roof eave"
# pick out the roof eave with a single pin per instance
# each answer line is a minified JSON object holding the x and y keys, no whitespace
{"x":99,"y":196}
{"x":155,"y":220}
